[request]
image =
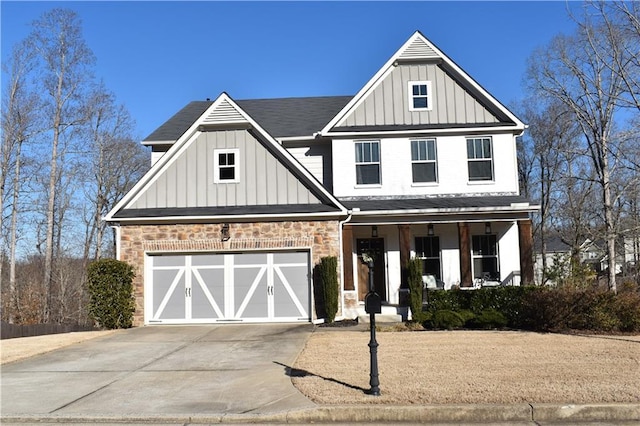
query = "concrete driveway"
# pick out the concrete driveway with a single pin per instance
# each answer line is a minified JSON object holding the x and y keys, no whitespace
{"x":159,"y":372}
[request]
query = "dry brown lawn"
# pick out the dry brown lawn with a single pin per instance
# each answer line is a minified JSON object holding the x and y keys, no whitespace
{"x":446,"y":367}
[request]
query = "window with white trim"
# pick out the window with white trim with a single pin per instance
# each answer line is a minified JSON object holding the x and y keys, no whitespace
{"x":367,"y":163}
{"x":484,"y":252}
{"x":226,"y":164}
{"x":480,"y":159}
{"x":420,"y":96}
{"x":428,"y":249}
{"x":423,"y":161}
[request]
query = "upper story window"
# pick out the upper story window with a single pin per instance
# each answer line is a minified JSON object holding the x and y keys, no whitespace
{"x":226,"y":164}
{"x":423,"y":161}
{"x":480,"y":159}
{"x":368,"y":163}
{"x":419,"y":95}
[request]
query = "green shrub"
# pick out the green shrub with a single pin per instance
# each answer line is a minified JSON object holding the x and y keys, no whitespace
{"x":110,"y":286}
{"x":448,"y":320}
{"x":467,"y":316}
{"x":489,"y":319}
{"x":414,"y":278}
{"x":330,"y":290}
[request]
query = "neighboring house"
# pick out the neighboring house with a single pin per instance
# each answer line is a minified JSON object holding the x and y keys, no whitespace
{"x":557,"y":256}
{"x":246,"y":196}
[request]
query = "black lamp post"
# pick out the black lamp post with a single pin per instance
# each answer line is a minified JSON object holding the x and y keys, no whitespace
{"x":373,"y":306}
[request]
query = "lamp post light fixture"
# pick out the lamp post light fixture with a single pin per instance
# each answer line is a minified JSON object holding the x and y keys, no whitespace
{"x":374,"y":231}
{"x":487,"y":228}
{"x":430,"y":231}
{"x":224,"y":232}
{"x":373,"y":306}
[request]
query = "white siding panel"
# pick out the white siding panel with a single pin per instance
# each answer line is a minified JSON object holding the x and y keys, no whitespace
{"x":452,"y":169}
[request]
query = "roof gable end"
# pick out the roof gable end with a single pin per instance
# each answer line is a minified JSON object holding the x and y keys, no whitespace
{"x":382,"y":103}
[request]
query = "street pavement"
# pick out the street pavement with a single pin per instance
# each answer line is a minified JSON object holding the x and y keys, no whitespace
{"x":231,"y":373}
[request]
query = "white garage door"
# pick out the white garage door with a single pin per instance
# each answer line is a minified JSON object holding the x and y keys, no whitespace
{"x":250,"y":287}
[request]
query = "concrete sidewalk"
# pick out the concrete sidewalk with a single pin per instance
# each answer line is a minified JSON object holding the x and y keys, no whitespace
{"x":218,"y":374}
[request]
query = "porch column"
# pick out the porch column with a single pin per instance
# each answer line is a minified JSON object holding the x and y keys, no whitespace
{"x":465,"y":255}
{"x":526,"y":251}
{"x":347,"y":256}
{"x":405,"y":252}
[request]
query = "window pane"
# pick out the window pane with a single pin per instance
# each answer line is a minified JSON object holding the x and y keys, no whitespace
{"x":231,"y":159}
{"x":227,"y":173}
{"x":420,"y":247}
{"x":222,"y":159}
{"x":416,"y":90}
{"x":375,"y":152}
{"x":367,"y":174}
{"x":480,"y":170}
{"x":359,"y":153}
{"x":424,"y":172}
{"x":431,"y":267}
{"x":420,"y":102}
{"x":470,"y":148}
{"x":431,"y":150}
{"x":422,"y":88}
{"x":486,"y":148}
{"x":415,"y":148}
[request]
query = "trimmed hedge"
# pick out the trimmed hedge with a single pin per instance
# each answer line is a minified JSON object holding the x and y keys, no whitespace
{"x":537,"y":309}
{"x":414,"y":279}
{"x":330,"y":290}
{"x":110,"y":285}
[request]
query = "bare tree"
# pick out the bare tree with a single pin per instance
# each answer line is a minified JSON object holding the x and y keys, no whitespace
{"x":67,"y":69}
{"x":116,"y":162}
{"x":571,"y":70}
{"x":19,"y":119}
{"x":549,"y":141}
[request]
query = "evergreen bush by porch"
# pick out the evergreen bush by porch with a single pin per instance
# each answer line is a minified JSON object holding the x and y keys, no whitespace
{"x":414,"y":278}
{"x":330,"y":291}
{"x":541,"y":308}
{"x":110,"y":285}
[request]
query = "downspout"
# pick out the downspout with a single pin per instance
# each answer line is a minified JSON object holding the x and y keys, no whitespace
{"x":340,"y":227}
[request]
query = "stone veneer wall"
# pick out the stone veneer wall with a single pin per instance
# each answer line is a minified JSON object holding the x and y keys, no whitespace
{"x":322,"y":237}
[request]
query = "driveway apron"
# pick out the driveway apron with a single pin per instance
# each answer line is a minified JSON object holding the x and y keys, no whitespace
{"x":162,"y":370}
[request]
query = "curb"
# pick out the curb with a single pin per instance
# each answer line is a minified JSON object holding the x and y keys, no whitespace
{"x":489,"y":413}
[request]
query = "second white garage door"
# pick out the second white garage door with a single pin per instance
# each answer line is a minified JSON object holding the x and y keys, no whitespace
{"x":250,"y":287}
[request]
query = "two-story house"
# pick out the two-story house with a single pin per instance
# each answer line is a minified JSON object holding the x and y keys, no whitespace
{"x":246,"y":196}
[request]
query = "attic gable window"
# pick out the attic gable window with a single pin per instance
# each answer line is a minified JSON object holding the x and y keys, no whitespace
{"x":420,"y":96}
{"x":226,"y":164}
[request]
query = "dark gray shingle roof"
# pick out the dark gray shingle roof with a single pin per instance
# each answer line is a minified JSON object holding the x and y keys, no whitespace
{"x":294,"y":116}
{"x":368,"y":204}
{"x":279,"y":117}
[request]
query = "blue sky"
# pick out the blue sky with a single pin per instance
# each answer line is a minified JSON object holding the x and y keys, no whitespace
{"x":158,"y":56}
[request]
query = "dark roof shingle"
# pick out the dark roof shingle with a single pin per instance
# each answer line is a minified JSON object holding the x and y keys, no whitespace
{"x":279,"y":117}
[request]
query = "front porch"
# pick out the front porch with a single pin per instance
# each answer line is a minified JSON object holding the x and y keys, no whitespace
{"x":455,"y":254}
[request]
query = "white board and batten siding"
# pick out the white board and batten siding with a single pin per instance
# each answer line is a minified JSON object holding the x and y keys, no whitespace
{"x":228,"y":287}
{"x":388,"y":103}
{"x":188,"y":180}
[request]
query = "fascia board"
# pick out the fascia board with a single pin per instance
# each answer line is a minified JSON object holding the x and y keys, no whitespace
{"x":244,"y":218}
{"x":377,"y":77}
{"x":465,"y":131}
{"x":450,"y":211}
{"x":169,"y":156}
{"x":278,"y":146}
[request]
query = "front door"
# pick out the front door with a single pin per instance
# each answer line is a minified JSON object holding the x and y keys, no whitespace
{"x":375,"y":248}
